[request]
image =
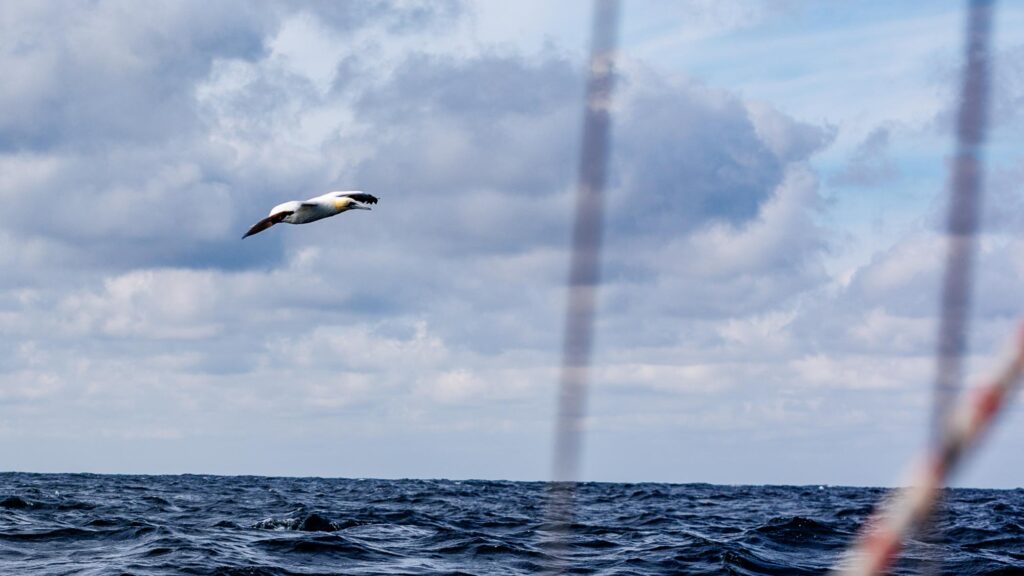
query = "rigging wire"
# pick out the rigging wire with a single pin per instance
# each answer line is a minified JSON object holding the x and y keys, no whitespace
{"x":962,"y":220}
{"x":584,"y":273}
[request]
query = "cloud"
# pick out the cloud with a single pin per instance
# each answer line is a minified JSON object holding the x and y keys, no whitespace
{"x":870,"y":164}
{"x":688,"y":156}
{"x":110,"y":66}
{"x":1007,"y":87}
{"x":131,"y":311}
{"x":723,"y":270}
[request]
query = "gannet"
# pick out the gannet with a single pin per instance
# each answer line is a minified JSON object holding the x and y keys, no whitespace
{"x":323,"y":206}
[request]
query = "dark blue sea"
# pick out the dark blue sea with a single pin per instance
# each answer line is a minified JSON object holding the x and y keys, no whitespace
{"x":97,"y":525}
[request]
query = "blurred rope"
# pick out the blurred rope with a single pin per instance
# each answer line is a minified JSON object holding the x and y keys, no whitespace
{"x":909,"y":509}
{"x":585,"y":270}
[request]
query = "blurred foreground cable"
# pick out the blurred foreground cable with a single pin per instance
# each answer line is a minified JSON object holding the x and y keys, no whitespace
{"x":585,"y":271}
{"x":965,"y":190}
{"x":908,"y":509}
{"x":964,"y":205}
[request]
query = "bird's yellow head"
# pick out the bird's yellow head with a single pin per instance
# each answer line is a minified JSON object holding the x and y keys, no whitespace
{"x":343,"y":203}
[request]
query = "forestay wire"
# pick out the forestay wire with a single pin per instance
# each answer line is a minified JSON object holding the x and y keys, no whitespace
{"x":962,"y":221}
{"x":584,"y":277}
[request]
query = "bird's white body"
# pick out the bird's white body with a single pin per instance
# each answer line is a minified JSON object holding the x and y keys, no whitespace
{"x":318,"y":208}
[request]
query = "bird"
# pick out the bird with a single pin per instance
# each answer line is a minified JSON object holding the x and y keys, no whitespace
{"x":306,"y":211}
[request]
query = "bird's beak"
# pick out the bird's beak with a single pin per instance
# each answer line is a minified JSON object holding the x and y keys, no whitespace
{"x":357,"y":207}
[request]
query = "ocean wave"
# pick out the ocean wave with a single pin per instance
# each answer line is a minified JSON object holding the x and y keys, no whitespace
{"x":250,"y":526}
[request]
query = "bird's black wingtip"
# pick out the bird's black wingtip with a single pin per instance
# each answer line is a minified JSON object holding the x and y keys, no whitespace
{"x":363,"y":197}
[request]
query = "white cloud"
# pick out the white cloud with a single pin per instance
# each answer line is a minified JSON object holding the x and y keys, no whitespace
{"x":176,"y":304}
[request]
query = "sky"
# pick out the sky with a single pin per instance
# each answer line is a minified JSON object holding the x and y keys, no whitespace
{"x":773,"y":240}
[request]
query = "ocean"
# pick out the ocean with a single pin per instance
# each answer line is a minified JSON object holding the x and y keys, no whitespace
{"x":84,"y":524}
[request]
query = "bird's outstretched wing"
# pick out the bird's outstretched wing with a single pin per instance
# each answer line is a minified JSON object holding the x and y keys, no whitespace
{"x":361,"y":197}
{"x":266,"y":223}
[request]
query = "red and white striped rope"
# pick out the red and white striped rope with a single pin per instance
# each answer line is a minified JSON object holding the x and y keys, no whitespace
{"x":908,"y":509}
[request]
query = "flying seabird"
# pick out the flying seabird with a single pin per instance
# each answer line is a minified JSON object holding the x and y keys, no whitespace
{"x":314,"y":209}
